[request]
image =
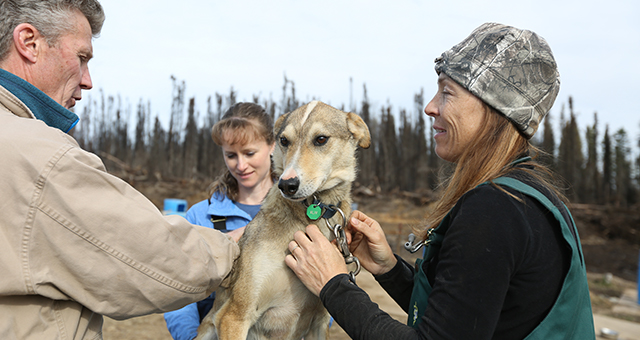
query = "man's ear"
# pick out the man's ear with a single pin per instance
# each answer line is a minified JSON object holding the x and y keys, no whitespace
{"x":27,"y":40}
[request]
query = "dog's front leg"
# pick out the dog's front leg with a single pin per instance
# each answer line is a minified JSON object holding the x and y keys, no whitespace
{"x":233,"y":320}
{"x":228,"y":323}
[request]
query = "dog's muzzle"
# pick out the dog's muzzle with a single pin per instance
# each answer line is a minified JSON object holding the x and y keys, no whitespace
{"x":289,"y":186}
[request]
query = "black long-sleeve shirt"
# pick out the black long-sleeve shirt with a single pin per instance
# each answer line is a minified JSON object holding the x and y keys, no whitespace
{"x":497,"y":275}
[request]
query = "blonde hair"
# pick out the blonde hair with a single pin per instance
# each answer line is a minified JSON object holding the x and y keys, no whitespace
{"x":495,"y":147}
{"x":242,"y":123}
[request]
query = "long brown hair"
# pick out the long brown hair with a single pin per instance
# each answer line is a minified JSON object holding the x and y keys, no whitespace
{"x":242,"y":123}
{"x":496,"y":146}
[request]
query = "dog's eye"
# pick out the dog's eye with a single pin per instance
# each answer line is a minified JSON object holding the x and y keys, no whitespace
{"x":284,"y":141}
{"x":321,"y":140}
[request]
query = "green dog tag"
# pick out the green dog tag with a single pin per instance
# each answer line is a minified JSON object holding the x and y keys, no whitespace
{"x":313,"y":212}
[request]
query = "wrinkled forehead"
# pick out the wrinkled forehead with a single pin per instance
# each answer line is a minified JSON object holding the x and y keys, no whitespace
{"x":444,"y":79}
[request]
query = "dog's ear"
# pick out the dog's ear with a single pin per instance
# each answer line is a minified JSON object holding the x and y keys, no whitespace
{"x":279,"y":123}
{"x":359,"y":130}
{"x":278,"y":166}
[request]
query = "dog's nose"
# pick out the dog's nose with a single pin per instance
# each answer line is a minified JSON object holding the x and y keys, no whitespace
{"x":289,"y":186}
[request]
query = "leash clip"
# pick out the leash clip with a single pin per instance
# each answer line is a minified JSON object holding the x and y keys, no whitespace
{"x":412,"y":248}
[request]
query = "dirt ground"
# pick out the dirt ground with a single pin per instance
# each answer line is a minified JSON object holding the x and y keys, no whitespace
{"x":610,"y":241}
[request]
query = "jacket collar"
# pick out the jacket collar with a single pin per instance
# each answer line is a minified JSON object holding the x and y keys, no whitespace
{"x":42,"y":106}
{"x":224,"y":207}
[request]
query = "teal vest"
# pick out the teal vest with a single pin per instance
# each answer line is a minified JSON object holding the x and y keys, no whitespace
{"x":569,"y":318}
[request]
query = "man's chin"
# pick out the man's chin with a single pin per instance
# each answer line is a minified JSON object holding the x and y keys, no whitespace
{"x":71,"y":103}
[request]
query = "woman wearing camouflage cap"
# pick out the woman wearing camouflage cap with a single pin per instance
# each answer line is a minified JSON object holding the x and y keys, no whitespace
{"x":502,"y":256}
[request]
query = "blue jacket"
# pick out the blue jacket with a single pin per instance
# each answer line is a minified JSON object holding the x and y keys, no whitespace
{"x":183,"y":323}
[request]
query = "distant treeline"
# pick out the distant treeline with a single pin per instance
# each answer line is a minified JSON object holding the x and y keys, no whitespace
{"x":596,"y":168}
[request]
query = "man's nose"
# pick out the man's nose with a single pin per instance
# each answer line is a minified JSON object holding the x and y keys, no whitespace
{"x":85,"y":82}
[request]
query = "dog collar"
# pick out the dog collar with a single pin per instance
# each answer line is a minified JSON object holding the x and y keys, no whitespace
{"x":317,"y":209}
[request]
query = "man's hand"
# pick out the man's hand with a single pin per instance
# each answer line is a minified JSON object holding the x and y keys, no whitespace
{"x":236,"y":233}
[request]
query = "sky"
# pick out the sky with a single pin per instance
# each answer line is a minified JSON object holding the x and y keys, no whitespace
{"x":331,"y":48}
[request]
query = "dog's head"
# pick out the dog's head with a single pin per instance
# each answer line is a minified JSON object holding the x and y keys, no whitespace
{"x":315,"y":149}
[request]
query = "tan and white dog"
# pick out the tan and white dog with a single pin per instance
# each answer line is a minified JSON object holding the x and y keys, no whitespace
{"x":262,"y":297}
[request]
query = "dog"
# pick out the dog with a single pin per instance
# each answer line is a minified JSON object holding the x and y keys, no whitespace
{"x":316,"y":164}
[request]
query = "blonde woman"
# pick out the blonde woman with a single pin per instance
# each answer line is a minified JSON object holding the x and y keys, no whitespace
{"x":245,"y":134}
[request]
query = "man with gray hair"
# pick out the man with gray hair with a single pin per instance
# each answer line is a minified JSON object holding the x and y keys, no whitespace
{"x":77,"y":243}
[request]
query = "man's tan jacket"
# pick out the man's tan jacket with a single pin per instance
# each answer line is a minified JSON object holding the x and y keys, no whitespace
{"x":77,"y":243}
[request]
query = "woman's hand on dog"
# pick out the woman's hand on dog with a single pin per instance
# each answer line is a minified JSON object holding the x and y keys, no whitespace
{"x":314,"y":259}
{"x":369,"y":244}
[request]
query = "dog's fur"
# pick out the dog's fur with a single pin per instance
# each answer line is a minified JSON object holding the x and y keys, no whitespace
{"x":263,"y":298}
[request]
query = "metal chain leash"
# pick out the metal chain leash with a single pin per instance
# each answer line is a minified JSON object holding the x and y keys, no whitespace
{"x":341,"y":240}
{"x":317,"y":210}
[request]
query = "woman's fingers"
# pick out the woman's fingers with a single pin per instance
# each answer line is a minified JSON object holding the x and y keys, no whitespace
{"x":293,"y":245}
{"x":313,"y":259}
{"x":370,"y":244}
{"x":367,"y":226}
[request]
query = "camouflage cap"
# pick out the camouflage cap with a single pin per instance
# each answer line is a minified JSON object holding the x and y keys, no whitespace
{"x":510,"y":69}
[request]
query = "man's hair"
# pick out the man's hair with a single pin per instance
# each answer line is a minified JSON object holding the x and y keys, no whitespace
{"x":50,"y":17}
{"x":495,"y":147}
